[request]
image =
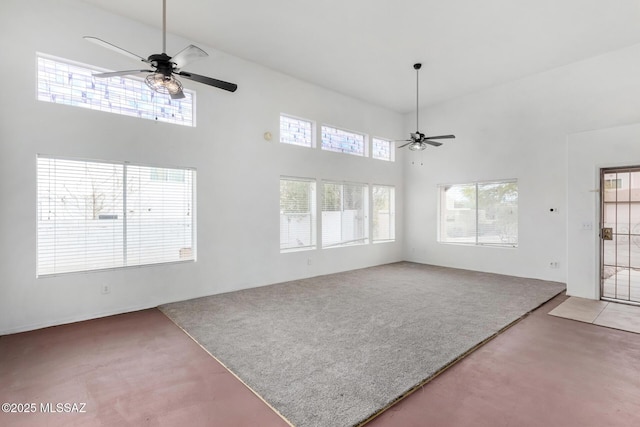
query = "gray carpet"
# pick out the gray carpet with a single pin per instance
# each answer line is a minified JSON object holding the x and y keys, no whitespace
{"x":334,"y":350}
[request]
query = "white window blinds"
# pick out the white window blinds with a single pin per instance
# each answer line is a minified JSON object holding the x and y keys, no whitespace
{"x":384,"y":213}
{"x":96,"y":215}
{"x":297,"y":214}
{"x":344,"y":214}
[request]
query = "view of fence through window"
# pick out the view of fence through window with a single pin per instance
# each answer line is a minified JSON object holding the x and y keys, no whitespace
{"x":297,"y":214}
{"x":480,"y":213}
{"x":384,"y":214}
{"x":65,"y":82}
{"x":344,"y":214}
{"x":96,"y":215}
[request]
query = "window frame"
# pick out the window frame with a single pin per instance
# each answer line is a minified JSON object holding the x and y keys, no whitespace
{"x":392,"y":151}
{"x":312,"y":143}
{"x":392,"y":214}
{"x":313,"y":211}
{"x":365,"y":141}
{"x":191,"y":254}
{"x":366,"y":239}
{"x":442,"y":203}
{"x":159,"y":102}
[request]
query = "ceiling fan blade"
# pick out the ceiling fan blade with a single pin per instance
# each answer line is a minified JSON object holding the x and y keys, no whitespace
{"x":120,"y":73}
{"x":115,"y":48}
{"x":178,"y":95}
{"x":440,"y":137}
{"x":231,"y":87}
{"x":434,"y":143}
{"x":404,"y":145}
{"x":186,"y":55}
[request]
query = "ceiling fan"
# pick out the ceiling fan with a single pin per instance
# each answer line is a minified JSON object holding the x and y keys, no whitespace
{"x":162,"y":78}
{"x":418,"y":139}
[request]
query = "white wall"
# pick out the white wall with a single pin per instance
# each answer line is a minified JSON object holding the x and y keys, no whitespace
{"x":588,"y":153}
{"x":518,"y":130}
{"x":238,"y":171}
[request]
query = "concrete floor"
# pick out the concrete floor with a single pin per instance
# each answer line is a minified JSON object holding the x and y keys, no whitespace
{"x":139,"y":369}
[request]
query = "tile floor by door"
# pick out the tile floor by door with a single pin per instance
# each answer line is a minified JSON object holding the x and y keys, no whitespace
{"x":610,"y":314}
{"x":139,"y":369}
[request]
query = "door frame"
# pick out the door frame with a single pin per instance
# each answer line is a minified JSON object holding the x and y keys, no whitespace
{"x":603,"y":171}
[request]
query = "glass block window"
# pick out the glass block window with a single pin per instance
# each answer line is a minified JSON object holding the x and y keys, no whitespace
{"x":65,"y":82}
{"x":296,"y":131}
{"x":96,"y":215}
{"x":381,"y":149}
{"x":343,"y":141}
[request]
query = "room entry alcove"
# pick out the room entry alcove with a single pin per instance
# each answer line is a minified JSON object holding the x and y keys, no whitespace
{"x":620,"y":234}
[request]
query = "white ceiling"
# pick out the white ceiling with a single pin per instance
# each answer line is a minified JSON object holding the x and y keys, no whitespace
{"x":366,"y":48}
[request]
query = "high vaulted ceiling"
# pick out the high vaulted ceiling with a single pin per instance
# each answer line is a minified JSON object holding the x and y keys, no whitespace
{"x":366,"y":48}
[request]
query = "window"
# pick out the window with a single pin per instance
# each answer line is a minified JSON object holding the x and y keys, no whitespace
{"x":297,"y":214}
{"x":296,"y":131}
{"x":382,"y":149}
{"x":65,"y":82}
{"x":610,"y":184}
{"x":344,"y":214}
{"x":384,"y":213}
{"x":480,"y":213}
{"x":343,"y":141}
{"x":95,"y":215}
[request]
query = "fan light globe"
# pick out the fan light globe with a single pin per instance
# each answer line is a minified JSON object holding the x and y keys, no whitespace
{"x":417,"y":146}
{"x":163,"y":84}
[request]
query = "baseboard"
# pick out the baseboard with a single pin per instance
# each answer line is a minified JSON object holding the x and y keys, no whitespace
{"x":74,"y":319}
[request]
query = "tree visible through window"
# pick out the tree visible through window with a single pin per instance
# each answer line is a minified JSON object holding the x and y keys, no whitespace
{"x":96,"y":215}
{"x":384,"y":213}
{"x":480,"y":213}
{"x":297,"y":214}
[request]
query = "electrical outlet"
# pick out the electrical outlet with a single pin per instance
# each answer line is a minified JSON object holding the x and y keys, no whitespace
{"x":106,"y":289}
{"x":309,"y":261}
{"x":553,"y":264}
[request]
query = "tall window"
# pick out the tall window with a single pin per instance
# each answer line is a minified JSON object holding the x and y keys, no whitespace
{"x":66,"y":82}
{"x":384,"y":213}
{"x":344,"y":214}
{"x":382,"y":149}
{"x":296,"y":131}
{"x":297,"y":214}
{"x":96,"y":215}
{"x":480,"y":213}
{"x":343,"y":141}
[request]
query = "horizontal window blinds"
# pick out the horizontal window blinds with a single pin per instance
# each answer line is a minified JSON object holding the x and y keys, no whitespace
{"x":344,"y":214}
{"x":96,"y":215}
{"x":384,"y":213}
{"x":297,"y":214}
